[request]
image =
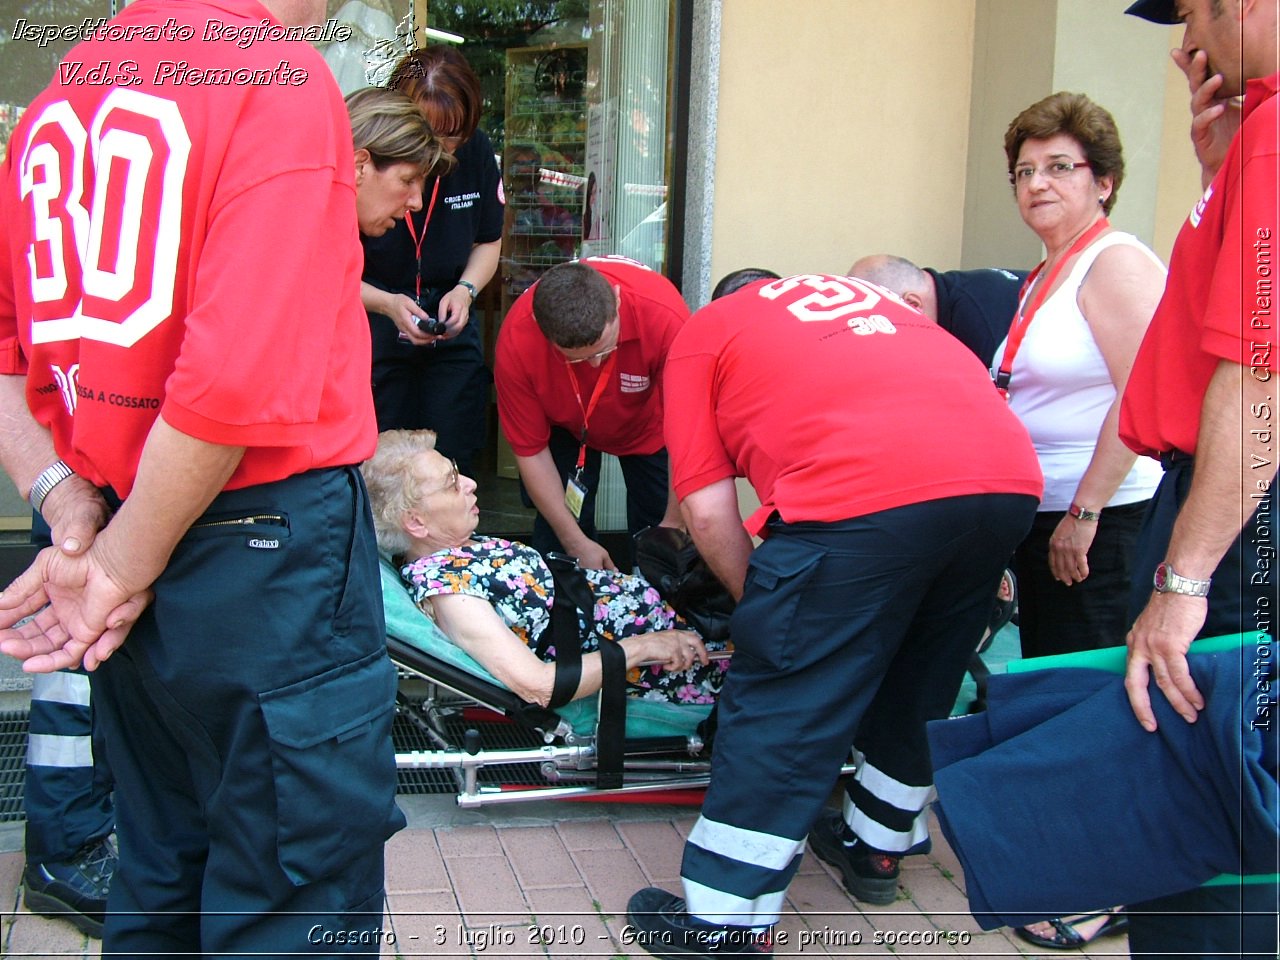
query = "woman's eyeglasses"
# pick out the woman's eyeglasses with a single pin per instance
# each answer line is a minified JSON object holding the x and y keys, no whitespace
{"x":451,"y":482}
{"x":1057,"y":170}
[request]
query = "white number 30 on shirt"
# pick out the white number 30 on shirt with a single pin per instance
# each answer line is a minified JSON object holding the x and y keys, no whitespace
{"x":832,"y":298}
{"x":95,"y":274}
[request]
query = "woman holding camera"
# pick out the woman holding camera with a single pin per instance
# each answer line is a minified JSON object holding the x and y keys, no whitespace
{"x":422,"y":277}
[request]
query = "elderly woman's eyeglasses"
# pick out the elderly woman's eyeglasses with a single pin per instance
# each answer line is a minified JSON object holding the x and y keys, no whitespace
{"x":1056,"y":170}
{"x":451,"y":482}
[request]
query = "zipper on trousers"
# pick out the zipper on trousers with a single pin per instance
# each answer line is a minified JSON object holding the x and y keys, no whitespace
{"x":269,"y":519}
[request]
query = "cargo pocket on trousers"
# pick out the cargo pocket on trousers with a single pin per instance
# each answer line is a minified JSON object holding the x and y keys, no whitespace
{"x":333,"y":766}
{"x":776,"y":583}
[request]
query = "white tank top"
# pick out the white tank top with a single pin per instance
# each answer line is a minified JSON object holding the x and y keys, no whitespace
{"x":1061,"y":389}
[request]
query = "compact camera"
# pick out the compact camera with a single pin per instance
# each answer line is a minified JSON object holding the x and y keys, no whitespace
{"x":429,"y":303}
{"x":433,"y":326}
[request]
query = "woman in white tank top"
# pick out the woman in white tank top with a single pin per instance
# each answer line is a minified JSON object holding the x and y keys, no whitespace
{"x":1065,"y":363}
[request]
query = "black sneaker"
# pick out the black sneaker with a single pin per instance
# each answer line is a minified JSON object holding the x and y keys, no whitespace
{"x":75,"y":890}
{"x":657,"y":920}
{"x":870,"y":875}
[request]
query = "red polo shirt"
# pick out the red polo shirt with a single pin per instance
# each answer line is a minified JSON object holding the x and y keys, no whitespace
{"x":536,"y":387}
{"x":209,"y":299}
{"x":1217,"y":302}
{"x":835,"y":400}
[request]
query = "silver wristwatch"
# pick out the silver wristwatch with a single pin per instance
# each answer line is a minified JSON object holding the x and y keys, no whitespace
{"x":1168,"y":581}
{"x":49,"y":478}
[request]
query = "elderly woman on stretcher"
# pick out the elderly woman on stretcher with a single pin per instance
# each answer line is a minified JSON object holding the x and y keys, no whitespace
{"x":493,"y":597}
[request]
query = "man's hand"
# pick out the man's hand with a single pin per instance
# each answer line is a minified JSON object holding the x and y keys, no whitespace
{"x":90,"y":609}
{"x":715,"y":525}
{"x":1214,"y":119}
{"x":44,"y":645}
{"x":1158,"y":645}
{"x":75,"y":512}
{"x":1069,"y":549}
{"x":546,"y":489}
{"x":591,"y":556}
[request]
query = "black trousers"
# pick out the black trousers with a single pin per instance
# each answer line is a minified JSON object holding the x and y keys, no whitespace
{"x":853,"y":633}
{"x":248,"y":725}
{"x":646,"y":475}
{"x":1210,"y":922}
{"x":1054,"y":618}
{"x":444,"y":388}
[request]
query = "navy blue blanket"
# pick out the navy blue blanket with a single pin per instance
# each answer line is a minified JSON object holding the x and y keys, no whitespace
{"x":1057,"y":802}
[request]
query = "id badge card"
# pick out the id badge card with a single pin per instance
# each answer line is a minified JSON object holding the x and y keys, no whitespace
{"x":574,"y":494}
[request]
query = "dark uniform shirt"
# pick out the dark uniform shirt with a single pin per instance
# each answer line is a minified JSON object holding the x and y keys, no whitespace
{"x":977,"y":306}
{"x":467,"y":211}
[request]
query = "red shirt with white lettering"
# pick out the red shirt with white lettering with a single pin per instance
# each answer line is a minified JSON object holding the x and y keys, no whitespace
{"x":220,"y":287}
{"x":535,"y":391}
{"x":1218,"y":300}
{"x":835,"y":399}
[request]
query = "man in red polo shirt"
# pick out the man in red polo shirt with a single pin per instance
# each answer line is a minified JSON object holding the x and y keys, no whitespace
{"x":184,"y":386}
{"x":894,"y":483}
{"x":579,"y":373}
{"x":1201,"y":397}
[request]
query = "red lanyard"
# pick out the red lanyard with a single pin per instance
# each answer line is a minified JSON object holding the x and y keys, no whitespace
{"x":589,"y":409}
{"x":417,"y":242}
{"x":1027,"y":312}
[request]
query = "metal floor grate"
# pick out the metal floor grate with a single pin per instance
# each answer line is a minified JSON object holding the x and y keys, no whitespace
{"x":13,"y":755}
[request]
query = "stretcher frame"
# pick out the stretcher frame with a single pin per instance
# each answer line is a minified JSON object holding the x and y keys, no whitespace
{"x":666,"y":758}
{"x":674,"y":759}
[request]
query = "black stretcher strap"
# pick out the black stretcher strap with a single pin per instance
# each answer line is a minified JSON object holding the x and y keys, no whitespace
{"x":573,"y":597}
{"x":563,"y":634}
{"x":611,"y":729}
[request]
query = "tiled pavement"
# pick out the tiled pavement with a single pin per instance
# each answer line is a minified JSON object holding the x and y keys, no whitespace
{"x":485,"y":883}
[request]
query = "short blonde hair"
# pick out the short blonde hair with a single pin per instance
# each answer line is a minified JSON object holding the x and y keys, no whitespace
{"x":394,"y":484}
{"x":389,"y":125}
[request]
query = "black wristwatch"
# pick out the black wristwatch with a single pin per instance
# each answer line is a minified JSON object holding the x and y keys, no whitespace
{"x":1167,"y":580}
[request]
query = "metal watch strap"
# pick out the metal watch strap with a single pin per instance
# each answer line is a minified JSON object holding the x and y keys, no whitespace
{"x":1080,"y":513}
{"x":1168,"y":580}
{"x":49,"y":478}
{"x":471,"y":288}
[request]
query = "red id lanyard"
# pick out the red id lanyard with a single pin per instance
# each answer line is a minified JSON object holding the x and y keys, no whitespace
{"x":417,"y":241}
{"x":1027,"y":312}
{"x":605,"y":372}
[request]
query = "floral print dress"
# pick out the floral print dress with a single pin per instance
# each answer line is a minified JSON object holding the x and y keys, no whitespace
{"x":515,"y":579}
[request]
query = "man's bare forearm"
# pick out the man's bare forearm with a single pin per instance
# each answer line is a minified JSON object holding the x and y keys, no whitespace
{"x":1235,"y":465}
{"x":715,"y":524}
{"x":28,"y":446}
{"x":545,"y":489}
